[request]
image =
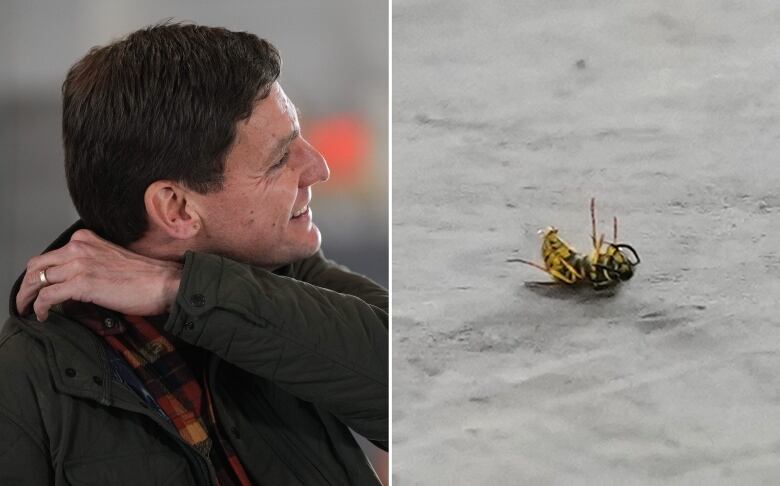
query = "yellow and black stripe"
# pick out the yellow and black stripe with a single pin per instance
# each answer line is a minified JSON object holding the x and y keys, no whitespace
{"x":611,"y":266}
{"x":561,"y":259}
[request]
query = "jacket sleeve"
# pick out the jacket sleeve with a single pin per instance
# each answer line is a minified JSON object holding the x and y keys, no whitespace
{"x":318,"y":270}
{"x":323,"y":346}
{"x":22,"y":460}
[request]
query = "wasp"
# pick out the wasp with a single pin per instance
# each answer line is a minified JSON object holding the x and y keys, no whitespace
{"x":605,"y":266}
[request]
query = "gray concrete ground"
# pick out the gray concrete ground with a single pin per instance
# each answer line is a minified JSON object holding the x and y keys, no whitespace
{"x":508,"y":117}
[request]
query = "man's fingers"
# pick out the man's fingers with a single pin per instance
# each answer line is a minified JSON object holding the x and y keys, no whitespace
{"x":67,"y":272}
{"x":61,"y":273}
{"x":33,"y":277}
{"x":31,"y":284}
{"x":25,"y":297}
{"x":74,"y":249}
{"x":56,"y":294}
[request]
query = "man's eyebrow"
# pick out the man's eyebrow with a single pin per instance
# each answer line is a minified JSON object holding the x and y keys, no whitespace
{"x":282,"y":144}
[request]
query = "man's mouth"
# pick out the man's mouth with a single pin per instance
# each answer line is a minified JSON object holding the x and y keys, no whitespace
{"x":300,"y":212}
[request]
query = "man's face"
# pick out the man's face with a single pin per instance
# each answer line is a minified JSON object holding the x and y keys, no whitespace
{"x":261,"y":216}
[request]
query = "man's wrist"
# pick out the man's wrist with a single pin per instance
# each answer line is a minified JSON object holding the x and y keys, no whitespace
{"x":171,"y":285}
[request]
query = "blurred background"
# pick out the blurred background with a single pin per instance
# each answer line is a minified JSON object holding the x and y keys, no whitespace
{"x":335,"y":70}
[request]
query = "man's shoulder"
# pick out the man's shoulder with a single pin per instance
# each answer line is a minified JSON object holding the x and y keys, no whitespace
{"x":312,"y":268}
{"x":23,"y":361}
{"x":25,"y":389}
{"x":17,"y":344}
{"x":326,"y":273}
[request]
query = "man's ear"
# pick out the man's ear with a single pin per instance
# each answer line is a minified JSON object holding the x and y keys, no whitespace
{"x":171,"y":210}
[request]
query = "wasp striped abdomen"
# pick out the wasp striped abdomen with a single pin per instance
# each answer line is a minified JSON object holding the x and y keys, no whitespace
{"x":560,"y":259}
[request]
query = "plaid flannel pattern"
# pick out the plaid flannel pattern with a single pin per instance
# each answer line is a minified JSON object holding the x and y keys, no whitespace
{"x":166,"y":377}
{"x":170,"y":381}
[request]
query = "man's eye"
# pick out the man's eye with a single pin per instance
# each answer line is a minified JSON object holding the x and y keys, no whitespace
{"x":282,"y":161}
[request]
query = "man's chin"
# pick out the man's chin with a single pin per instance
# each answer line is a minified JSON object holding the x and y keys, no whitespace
{"x":311,"y":246}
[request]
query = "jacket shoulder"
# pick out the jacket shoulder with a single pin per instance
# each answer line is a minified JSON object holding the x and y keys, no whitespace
{"x":19,"y":351}
{"x":25,"y":383}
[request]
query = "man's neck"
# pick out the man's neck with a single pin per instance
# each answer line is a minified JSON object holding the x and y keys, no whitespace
{"x":160,"y":248}
{"x":163,"y":247}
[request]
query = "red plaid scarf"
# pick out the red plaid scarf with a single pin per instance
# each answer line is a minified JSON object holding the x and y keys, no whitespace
{"x":170,"y":381}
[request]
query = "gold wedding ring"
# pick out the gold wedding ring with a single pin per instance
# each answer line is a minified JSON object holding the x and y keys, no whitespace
{"x":42,"y":278}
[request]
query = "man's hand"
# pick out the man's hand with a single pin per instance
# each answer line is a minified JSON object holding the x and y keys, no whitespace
{"x":91,"y":269}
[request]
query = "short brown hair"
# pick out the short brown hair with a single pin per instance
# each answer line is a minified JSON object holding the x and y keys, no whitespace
{"x":161,"y":103}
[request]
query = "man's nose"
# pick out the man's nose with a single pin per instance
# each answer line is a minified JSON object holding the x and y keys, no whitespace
{"x":316,"y":167}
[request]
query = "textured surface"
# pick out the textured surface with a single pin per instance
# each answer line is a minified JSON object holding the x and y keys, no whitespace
{"x":508,"y":117}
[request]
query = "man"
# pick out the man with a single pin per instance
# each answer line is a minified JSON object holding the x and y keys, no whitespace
{"x":187,"y":330}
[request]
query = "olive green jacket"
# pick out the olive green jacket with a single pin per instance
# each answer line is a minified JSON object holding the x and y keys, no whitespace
{"x":292,"y":359}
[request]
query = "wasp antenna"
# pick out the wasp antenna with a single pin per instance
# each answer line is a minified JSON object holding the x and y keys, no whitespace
{"x":593,"y":222}
{"x":614,"y":229}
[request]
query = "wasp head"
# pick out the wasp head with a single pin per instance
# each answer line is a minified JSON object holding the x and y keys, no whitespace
{"x":617,"y":264}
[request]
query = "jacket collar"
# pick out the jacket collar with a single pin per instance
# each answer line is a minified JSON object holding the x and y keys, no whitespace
{"x":74,"y":354}
{"x":61,"y":241}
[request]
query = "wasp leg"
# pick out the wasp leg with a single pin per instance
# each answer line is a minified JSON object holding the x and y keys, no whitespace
{"x":536,"y":265}
{"x":554,"y":273}
{"x":563,"y":278}
{"x":542,"y":284}
{"x":577,"y":273}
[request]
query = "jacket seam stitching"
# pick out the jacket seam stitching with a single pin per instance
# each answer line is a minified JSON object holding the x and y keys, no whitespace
{"x":313,"y":350}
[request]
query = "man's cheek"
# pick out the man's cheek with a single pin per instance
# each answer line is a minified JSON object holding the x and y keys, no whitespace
{"x":249,"y":219}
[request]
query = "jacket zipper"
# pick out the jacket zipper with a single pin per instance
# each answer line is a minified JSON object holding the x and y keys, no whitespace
{"x":206,"y":470}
